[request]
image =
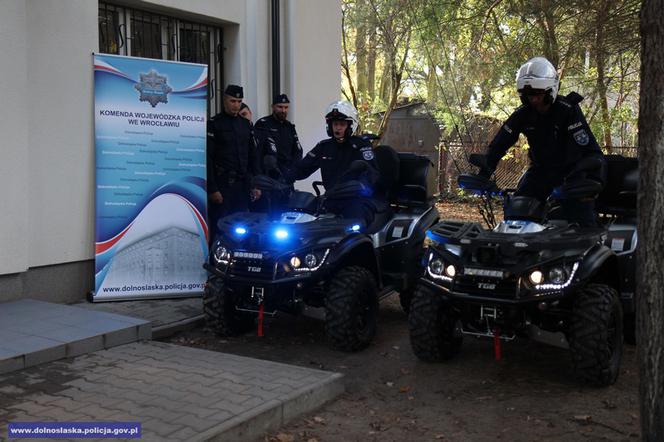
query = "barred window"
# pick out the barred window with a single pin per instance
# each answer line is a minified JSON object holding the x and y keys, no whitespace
{"x":138,"y":33}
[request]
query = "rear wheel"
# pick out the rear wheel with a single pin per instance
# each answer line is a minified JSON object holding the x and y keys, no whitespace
{"x":596,"y":335}
{"x":220,"y":312}
{"x":351,"y":308}
{"x":433,"y":333}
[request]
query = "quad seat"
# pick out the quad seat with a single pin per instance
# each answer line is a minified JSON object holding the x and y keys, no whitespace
{"x":407,"y":179}
{"x":619,"y":194}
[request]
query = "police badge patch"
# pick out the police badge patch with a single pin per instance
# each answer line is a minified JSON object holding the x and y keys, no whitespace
{"x":581,"y":137}
{"x":153,"y":88}
{"x":367,"y":154}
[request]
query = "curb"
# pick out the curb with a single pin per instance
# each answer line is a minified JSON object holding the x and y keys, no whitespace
{"x":275,"y":413}
{"x":167,"y":330}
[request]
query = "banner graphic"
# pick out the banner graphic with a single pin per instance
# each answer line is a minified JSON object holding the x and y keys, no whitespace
{"x":150,"y":129}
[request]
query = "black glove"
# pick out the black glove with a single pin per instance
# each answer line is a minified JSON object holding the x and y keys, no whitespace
{"x":480,"y":161}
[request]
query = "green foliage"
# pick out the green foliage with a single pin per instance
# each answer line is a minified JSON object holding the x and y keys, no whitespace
{"x":461,"y":57}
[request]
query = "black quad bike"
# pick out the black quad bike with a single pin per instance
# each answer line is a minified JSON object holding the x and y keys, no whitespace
{"x":535,"y":276}
{"x":306,"y":260}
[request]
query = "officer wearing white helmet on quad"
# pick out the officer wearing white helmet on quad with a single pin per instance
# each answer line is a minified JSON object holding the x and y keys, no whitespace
{"x":558,"y":138}
{"x":340,"y":158}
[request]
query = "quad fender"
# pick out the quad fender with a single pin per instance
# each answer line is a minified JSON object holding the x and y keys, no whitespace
{"x":356,"y":250}
{"x":601,"y":266}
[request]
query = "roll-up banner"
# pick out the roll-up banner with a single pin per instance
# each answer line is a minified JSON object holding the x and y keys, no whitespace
{"x":150,"y":129}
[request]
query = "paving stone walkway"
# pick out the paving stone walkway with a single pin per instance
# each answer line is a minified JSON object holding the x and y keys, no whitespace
{"x":176,"y":393}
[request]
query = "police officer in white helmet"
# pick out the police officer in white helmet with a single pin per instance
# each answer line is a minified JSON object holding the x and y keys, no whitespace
{"x":342,"y":157}
{"x":558,"y":138}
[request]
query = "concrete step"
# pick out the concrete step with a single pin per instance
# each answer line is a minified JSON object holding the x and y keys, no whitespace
{"x":176,"y":393}
{"x":34,"y":332}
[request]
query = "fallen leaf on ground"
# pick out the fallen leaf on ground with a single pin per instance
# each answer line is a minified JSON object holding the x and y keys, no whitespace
{"x":283,"y":437}
{"x":583,"y":418}
{"x":405,"y":371}
{"x":389,"y":384}
{"x":404,"y":389}
{"x":319,"y":420}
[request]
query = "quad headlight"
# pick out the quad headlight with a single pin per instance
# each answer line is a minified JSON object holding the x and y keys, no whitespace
{"x":309,"y":261}
{"x":556,"y":277}
{"x":221,"y":255}
{"x":439,"y":270}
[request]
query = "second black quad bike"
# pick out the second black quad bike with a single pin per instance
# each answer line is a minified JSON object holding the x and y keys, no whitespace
{"x":307,"y":260}
{"x":535,"y":276}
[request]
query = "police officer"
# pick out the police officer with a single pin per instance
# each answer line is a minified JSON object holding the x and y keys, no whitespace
{"x":558,"y":138}
{"x":232,"y":159}
{"x":277,"y":136}
{"x":340,"y":158}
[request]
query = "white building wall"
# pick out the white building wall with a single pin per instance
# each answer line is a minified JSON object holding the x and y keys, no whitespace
{"x":47,"y":170}
{"x":14,"y":137}
{"x":312,"y":67}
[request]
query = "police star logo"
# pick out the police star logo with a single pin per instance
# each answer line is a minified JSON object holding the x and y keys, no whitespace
{"x":367,"y":154}
{"x":153,"y":88}
{"x":581,"y":137}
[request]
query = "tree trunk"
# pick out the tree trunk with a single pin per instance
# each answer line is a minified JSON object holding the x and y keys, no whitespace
{"x":432,"y":84}
{"x":600,"y":57}
{"x":650,"y":253}
{"x":371,"y":66}
{"x":361,"y":54}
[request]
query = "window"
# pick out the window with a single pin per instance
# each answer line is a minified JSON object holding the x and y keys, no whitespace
{"x":127,"y":31}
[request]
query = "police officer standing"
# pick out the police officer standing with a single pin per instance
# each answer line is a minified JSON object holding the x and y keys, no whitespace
{"x":341,"y":158}
{"x":232,"y":159}
{"x":277,"y":136}
{"x":558,"y":138}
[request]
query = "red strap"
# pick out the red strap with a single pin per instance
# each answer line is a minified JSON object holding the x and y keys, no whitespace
{"x":260,"y":320}
{"x":496,"y":344}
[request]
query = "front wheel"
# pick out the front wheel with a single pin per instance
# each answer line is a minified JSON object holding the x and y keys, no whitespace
{"x":351,"y":309}
{"x":432,"y":323}
{"x":220,"y":312}
{"x":596,"y":335}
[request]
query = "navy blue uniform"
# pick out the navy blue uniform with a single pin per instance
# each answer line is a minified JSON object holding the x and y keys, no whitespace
{"x":334,"y":161}
{"x":278,"y":138}
{"x":557,"y":141}
{"x":232,"y":159}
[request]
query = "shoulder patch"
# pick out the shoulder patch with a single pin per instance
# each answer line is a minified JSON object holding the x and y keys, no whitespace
{"x":367,"y":153}
{"x":564,"y":102}
{"x":581,"y":137}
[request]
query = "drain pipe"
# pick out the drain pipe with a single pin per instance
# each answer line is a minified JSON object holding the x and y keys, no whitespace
{"x":276,"y":63}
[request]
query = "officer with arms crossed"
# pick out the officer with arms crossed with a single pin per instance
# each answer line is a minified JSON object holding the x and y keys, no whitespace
{"x":558,"y":136}
{"x":341,"y":158}
{"x":232,"y":159}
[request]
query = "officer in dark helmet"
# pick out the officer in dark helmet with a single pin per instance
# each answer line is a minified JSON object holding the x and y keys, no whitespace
{"x":277,"y":136}
{"x":558,"y":138}
{"x":341,"y":158}
{"x":232,"y":160}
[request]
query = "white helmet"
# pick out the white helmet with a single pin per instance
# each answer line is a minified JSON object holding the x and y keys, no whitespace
{"x":341,"y":111}
{"x":537,"y":74}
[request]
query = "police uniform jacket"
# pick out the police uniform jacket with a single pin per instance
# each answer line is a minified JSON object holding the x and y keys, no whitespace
{"x":278,"y":138}
{"x":232,"y":155}
{"x":557,"y":140}
{"x":334,"y":160}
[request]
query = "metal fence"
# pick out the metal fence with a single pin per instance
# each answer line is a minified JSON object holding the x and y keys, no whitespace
{"x":453,"y":160}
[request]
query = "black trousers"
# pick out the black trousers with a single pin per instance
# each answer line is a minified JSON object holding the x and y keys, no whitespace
{"x":538,"y":183}
{"x":236,"y":199}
